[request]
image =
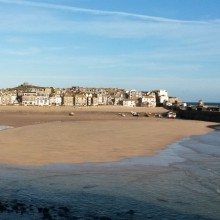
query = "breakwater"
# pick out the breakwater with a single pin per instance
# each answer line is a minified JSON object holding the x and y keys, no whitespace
{"x":213,"y":116}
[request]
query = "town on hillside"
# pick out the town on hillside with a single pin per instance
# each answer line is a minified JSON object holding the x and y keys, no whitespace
{"x":30,"y":95}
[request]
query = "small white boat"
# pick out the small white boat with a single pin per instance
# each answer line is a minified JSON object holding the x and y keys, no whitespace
{"x":171,"y":115}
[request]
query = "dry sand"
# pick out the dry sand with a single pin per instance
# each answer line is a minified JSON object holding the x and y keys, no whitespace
{"x":43,"y":135}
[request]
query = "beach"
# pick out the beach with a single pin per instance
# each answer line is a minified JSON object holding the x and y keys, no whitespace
{"x":44,"y":135}
{"x":100,"y":165}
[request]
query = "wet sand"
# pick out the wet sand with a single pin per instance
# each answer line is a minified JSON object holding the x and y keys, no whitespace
{"x":44,"y":135}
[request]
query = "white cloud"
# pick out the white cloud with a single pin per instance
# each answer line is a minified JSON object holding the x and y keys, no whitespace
{"x":93,"y":11}
{"x":103,"y":23}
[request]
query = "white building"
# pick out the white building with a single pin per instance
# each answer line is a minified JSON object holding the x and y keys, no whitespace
{"x":129,"y":103}
{"x":29,"y":98}
{"x":161,"y":96}
{"x":42,"y":99}
{"x":8,"y":97}
{"x":134,"y":94}
{"x":89,"y":99}
{"x":55,"y":100}
{"x":13,"y":99}
{"x":102,"y":99}
{"x":148,"y":100}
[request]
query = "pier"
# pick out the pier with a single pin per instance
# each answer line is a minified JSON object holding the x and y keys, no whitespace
{"x":213,"y":116}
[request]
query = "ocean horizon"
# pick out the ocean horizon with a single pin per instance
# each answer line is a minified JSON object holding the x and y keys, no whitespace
{"x":206,"y":103}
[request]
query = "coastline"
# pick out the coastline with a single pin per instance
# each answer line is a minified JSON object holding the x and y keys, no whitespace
{"x":168,"y":183}
{"x":100,"y":135}
{"x":158,"y":186}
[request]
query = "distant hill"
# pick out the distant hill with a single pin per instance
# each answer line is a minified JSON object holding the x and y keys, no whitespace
{"x":26,"y":85}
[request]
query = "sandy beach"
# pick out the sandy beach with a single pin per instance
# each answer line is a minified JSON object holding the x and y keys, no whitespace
{"x":44,"y":135}
{"x":149,"y":171}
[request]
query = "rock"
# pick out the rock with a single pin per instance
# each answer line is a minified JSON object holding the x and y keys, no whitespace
{"x":71,"y":114}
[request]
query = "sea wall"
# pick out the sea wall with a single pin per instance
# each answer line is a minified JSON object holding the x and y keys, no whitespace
{"x":199,"y":115}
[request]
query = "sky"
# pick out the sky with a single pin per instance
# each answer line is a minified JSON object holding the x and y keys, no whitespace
{"x":131,"y":44}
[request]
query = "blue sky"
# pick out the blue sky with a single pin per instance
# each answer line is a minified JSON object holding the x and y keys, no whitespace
{"x":131,"y":44}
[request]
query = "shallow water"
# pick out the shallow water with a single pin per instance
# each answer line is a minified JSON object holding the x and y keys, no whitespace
{"x":181,"y":182}
{"x":2,"y":127}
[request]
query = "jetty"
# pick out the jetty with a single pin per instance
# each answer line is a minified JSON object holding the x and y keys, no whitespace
{"x":208,"y":113}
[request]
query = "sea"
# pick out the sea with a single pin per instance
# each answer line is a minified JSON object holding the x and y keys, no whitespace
{"x":206,"y":103}
{"x":181,"y":182}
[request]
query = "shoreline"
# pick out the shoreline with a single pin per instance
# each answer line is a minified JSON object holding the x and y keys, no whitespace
{"x":49,"y":137}
{"x":134,"y":184}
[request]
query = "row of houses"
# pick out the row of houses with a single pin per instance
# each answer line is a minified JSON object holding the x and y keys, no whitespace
{"x":26,"y":94}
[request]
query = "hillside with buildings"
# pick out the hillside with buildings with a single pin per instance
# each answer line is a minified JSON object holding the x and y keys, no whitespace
{"x":27,"y":94}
